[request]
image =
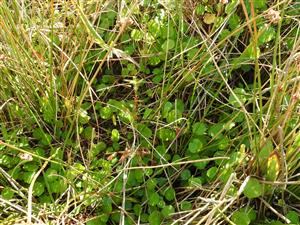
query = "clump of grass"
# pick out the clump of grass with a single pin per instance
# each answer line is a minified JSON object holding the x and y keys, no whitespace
{"x":149,"y":112}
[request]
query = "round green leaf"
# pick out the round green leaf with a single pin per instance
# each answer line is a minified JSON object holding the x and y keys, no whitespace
{"x":253,"y":188}
{"x":107,"y":204}
{"x":240,"y":218}
{"x":199,"y":128}
{"x":151,"y":184}
{"x":136,"y":35}
{"x":195,"y":181}
{"x":153,"y":198}
{"x":38,"y":188}
{"x":56,"y":186}
{"x":190,"y":55}
{"x":200,"y":10}
{"x":251,"y":213}
{"x":186,"y":205}
{"x":161,"y":203}
{"x":154,"y":60}
{"x":185,"y":174}
{"x":166,"y":109}
{"x":195,"y":145}
{"x":200,"y":165}
{"x":155,"y":218}
{"x":46,"y":139}
{"x":144,"y":130}
{"x":225,"y":174}
{"x":99,"y":220}
{"x":144,"y":218}
{"x":107,"y":79}
{"x":268,"y":34}
{"x":7,"y":193}
{"x":260,"y":4}
{"x":223,"y":143}
{"x":50,"y":175}
{"x":88,"y":132}
{"x":115,"y":216}
{"x":97,"y":148}
{"x":115,"y":135}
{"x":139,"y":175}
{"x":179,"y":106}
{"x":137,"y":209}
{"x":45,"y":198}
{"x":293,"y":217}
{"x":173,"y":115}
{"x":215,"y":129}
{"x":167,"y":211}
{"x":168,"y":45}
{"x":28,"y":176}
{"x":238,"y":96}
{"x":212,"y":172}
{"x":234,"y":21}
{"x":231,"y":6}
{"x":31,"y":166}
{"x":169,"y":194}
{"x":166,"y":134}
{"x":83,"y":116}
{"x":106,"y":113}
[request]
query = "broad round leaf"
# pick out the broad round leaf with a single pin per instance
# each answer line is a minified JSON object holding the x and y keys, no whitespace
{"x":185,"y":174}
{"x":7,"y":193}
{"x":136,"y":35}
{"x":166,"y":134}
{"x":38,"y":188}
{"x":212,"y":172}
{"x":293,"y":216}
{"x":155,"y":218}
{"x":168,"y":45}
{"x":169,"y":194}
{"x":253,"y":189}
{"x":199,"y":128}
{"x":186,"y":205}
{"x":240,"y":218}
{"x":209,"y":18}
{"x":115,"y":135}
{"x":195,"y":145}
{"x":167,"y":210}
{"x":106,"y":112}
{"x":153,"y":198}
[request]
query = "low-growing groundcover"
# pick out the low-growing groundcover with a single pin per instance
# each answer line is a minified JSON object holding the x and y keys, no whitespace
{"x":150,"y":112}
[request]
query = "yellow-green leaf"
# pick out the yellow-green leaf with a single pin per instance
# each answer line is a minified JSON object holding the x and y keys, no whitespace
{"x":209,"y":18}
{"x":273,"y":166}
